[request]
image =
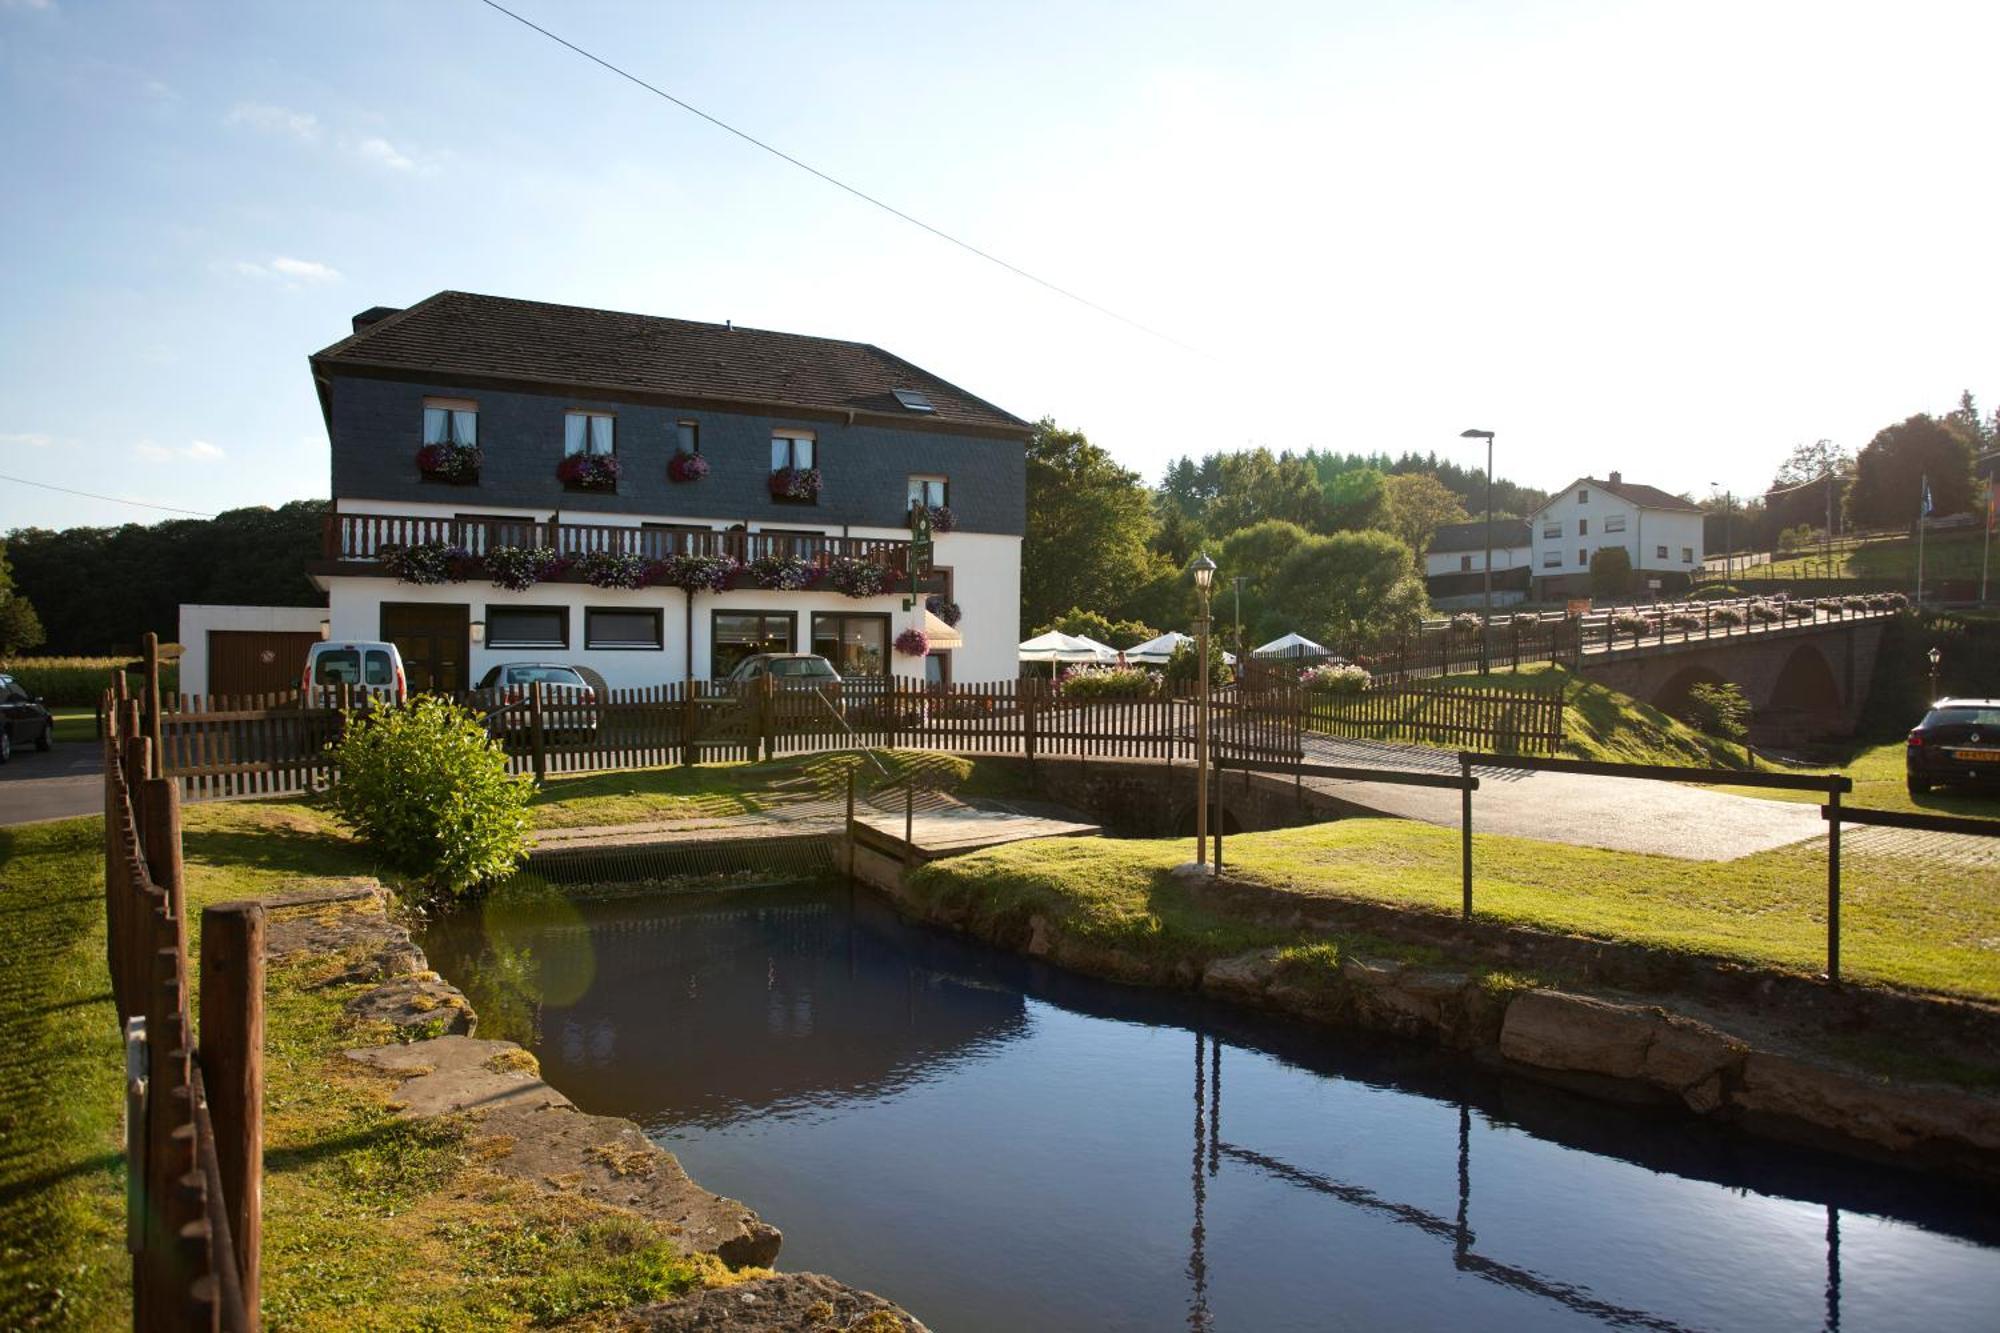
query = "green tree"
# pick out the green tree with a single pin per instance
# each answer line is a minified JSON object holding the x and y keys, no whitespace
{"x":20,"y":627}
{"x":1356,"y":500}
{"x":1610,"y":571}
{"x":1889,"y":474}
{"x":1256,"y":484}
{"x":1254,"y":553}
{"x":1417,"y":505}
{"x":1090,"y":525}
{"x":1345,"y":589}
{"x":1096,"y":625}
{"x":1799,"y":491}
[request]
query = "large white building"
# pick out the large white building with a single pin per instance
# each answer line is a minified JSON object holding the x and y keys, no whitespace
{"x":1455,"y":564}
{"x":1661,"y":533}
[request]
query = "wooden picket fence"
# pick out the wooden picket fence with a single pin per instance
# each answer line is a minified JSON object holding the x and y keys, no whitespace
{"x":194,"y":1113}
{"x":1493,"y":717}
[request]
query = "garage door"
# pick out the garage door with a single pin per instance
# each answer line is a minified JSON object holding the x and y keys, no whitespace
{"x":255,"y":661}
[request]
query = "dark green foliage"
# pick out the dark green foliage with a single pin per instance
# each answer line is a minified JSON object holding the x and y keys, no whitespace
{"x":1090,"y":523}
{"x":1610,"y":571}
{"x":1092,"y":625}
{"x":100,"y":589}
{"x":1346,"y":588}
{"x":1184,"y":667}
{"x":1890,"y":472}
{"x":424,"y":787}
{"x":1719,"y":710}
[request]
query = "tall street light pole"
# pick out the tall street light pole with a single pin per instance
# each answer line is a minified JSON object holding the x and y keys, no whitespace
{"x":1237,"y":582}
{"x":1204,"y":580}
{"x":1486,"y":619}
{"x":1728,"y":533}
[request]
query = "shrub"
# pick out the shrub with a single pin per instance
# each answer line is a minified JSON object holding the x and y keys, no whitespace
{"x":519,"y":568}
{"x":1331,"y":679}
{"x":1710,"y":592}
{"x":943,"y":608}
{"x":1894,"y":601}
{"x":424,"y":787}
{"x":1854,"y":603}
{"x":781,"y":573}
{"x":694,"y":573}
{"x":795,"y":483}
{"x":856,"y":578}
{"x":941,"y":517}
{"x":1465,"y":622}
{"x":1108,"y":683}
{"x":80,"y":682}
{"x":1765,"y":613}
{"x":449,"y":462}
{"x":1726,"y":615}
{"x":1721,"y":711}
{"x":1684,"y":622}
{"x":1610,"y":571}
{"x":613,"y":569}
{"x":1626,"y":622}
{"x":913,"y":643}
{"x":687,"y":467}
{"x":1801,"y":610}
{"x":1798,"y":538}
{"x":1184,"y":666}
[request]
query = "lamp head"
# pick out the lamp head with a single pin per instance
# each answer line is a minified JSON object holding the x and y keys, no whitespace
{"x":1204,"y":571}
{"x":1935,"y":655}
{"x":1475,"y":435}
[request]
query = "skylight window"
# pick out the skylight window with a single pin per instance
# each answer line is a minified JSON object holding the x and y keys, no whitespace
{"x":913,"y":400}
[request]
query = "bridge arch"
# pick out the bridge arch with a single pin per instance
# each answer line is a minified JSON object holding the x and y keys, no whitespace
{"x":1806,"y":684}
{"x":1672,"y":696}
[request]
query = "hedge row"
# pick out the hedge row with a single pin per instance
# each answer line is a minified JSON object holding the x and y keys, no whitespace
{"x":78,"y":682}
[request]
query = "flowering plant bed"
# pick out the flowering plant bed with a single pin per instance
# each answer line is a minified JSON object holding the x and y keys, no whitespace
{"x":944,"y":609}
{"x":1764,"y":613}
{"x":696,"y":573}
{"x":795,"y":483}
{"x":518,"y":568}
{"x":1332,"y":679}
{"x":913,"y":643}
{"x":687,"y":467}
{"x":1108,"y":683}
{"x":424,"y":562}
{"x":856,"y":578}
{"x":1465,"y":623}
{"x":941,"y":517}
{"x":1726,"y":616}
{"x":457,"y":464}
{"x":781,"y":573}
{"x":589,"y":472}
{"x":1684,"y":622}
{"x":613,"y":569}
{"x":1802,"y":610}
{"x":1625,"y":622}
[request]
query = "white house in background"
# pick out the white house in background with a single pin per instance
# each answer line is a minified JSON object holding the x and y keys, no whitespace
{"x":473,"y":430}
{"x":1455,"y":564}
{"x":1660,"y":532}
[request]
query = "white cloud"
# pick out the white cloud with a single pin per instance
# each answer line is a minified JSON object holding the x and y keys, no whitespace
{"x":26,"y":440}
{"x":268,"y":119}
{"x":196,"y":451}
{"x":27,"y":4}
{"x":292,"y":273}
{"x":382,"y":153}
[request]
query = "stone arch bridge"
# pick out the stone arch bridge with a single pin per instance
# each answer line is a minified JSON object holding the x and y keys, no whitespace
{"x":1802,"y":680}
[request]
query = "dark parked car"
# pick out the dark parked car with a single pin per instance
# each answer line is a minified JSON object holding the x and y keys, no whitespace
{"x":23,"y":720}
{"x":1957,"y":742}
{"x":785,"y":668}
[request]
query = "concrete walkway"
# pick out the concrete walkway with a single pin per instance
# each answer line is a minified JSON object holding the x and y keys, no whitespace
{"x":62,"y":784}
{"x":1621,"y":814}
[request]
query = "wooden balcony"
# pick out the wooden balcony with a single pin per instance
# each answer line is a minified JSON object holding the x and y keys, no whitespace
{"x":352,"y":541}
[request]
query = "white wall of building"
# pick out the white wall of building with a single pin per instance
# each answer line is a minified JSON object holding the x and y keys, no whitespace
{"x":1585,"y":518}
{"x":1456,"y":562}
{"x":197,"y":620}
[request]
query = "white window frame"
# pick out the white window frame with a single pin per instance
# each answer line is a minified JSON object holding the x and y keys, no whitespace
{"x":920,"y":487}
{"x":589,"y":437}
{"x":792,"y":440}
{"x":451,"y":410}
{"x":1614,"y":523}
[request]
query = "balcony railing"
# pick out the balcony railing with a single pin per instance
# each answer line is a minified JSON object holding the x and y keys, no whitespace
{"x":353,"y":539}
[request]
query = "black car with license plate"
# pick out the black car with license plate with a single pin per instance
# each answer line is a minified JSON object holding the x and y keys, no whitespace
{"x":24,"y":720}
{"x":1958,"y":742}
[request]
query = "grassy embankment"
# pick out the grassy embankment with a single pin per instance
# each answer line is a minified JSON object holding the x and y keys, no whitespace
{"x":370,"y":1221}
{"x":1947,"y":555}
{"x":1898,"y":927}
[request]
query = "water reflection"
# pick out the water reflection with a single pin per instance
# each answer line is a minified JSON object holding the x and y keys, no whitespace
{"x":1002,"y":1145}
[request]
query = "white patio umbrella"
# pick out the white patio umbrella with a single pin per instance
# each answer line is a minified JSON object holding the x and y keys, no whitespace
{"x":1067,"y":649}
{"x":1155,"y":652}
{"x":1291,"y":645}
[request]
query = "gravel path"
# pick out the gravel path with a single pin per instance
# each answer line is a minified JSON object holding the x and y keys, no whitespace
{"x":1622,"y":814}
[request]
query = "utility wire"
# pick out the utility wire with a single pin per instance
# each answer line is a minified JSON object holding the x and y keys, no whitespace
{"x":93,"y":495}
{"x":839,"y":184}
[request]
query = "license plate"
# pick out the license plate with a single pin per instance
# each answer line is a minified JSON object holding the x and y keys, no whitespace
{"x":1975,"y":754}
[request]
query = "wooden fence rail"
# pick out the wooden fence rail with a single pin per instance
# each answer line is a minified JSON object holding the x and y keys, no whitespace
{"x":194,"y":1133}
{"x":1491,"y":717}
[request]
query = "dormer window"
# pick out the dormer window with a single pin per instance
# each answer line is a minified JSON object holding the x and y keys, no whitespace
{"x":452,"y":421}
{"x":588,"y":433}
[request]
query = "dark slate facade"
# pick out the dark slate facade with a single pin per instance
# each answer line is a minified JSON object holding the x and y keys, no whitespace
{"x":376,"y":425}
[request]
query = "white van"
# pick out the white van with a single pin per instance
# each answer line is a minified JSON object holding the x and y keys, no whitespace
{"x":370,"y":668}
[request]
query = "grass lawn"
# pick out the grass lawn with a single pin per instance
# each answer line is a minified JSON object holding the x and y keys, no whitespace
{"x":370,"y":1221}
{"x":1947,"y":555}
{"x":1878,"y":775}
{"x":1916,"y":927}
{"x":713,"y":791}
{"x":75,"y":724}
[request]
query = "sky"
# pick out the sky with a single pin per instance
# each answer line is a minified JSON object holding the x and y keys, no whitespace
{"x":1672,"y":239}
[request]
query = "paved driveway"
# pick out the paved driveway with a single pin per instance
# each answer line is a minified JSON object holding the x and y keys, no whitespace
{"x":1623,"y":814}
{"x":61,"y":784}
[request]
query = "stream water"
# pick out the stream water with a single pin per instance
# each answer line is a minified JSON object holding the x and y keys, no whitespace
{"x":998,"y":1145}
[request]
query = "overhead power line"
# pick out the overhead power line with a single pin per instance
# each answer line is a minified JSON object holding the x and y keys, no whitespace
{"x":114,"y":499}
{"x":839,"y":184}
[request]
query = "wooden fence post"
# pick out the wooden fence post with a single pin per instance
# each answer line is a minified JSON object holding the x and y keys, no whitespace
{"x":909,"y":820}
{"x":1030,"y":689}
{"x":767,"y":742}
{"x":232,"y":1069}
{"x":152,"y":642}
{"x":1465,"y":832}
{"x":848,"y":828}
{"x":891,"y":697}
{"x":161,"y":841}
{"x":1833,"y":885}
{"x":689,"y":729}
{"x":537,"y":741}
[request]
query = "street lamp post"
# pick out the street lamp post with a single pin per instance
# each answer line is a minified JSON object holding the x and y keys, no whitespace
{"x":1936,"y":657}
{"x":1237,"y":582}
{"x":1204,"y":580}
{"x":1728,"y":533}
{"x":1486,"y":617}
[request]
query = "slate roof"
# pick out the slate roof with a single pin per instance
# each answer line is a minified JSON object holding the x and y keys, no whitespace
{"x":461,"y":334}
{"x":1646,"y":497}
{"x":1507,"y":533}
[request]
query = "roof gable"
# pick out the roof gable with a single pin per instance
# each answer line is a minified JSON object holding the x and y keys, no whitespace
{"x":1507,"y":534}
{"x":453,"y":334}
{"x":1634,"y":493}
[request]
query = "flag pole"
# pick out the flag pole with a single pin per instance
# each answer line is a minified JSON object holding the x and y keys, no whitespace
{"x":1923,"y":508}
{"x":1986,"y":550}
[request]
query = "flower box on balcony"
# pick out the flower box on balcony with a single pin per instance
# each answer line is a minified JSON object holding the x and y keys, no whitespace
{"x":796,"y":485}
{"x":687,"y":467}
{"x":589,"y":472}
{"x":452,"y":464}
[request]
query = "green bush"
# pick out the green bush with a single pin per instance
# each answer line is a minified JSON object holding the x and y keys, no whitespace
{"x":1721,"y":711}
{"x":1610,"y":571}
{"x":1184,"y":667}
{"x":79,"y":682}
{"x":1727,"y":616}
{"x":425,"y":788}
{"x":1710,"y":592}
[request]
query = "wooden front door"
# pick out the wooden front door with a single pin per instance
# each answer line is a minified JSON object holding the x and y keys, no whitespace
{"x":255,"y":661}
{"x":435,"y":641}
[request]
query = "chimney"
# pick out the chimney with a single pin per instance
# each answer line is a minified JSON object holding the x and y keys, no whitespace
{"x":375,"y":314}
{"x":1615,"y":478}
